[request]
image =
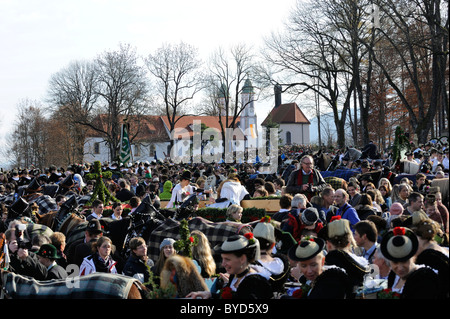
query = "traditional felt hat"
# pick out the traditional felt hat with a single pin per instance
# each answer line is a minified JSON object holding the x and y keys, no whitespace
{"x":94,"y":226}
{"x":264,"y":229}
{"x":338,"y":226}
{"x":309,"y":216}
{"x":307,"y":248}
{"x":19,"y":206}
{"x":48,"y":251}
{"x":68,"y":182}
{"x":237,"y":243}
{"x":399,"y":244}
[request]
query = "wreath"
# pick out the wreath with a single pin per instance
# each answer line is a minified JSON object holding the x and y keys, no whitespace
{"x":100,"y":190}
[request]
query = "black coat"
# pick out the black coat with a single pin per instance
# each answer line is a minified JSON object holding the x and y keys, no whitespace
{"x":30,"y":267}
{"x":135,"y":265}
{"x":124,"y":195}
{"x":56,"y":272}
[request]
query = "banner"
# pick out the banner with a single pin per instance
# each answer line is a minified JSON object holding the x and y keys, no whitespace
{"x":125,"y":146}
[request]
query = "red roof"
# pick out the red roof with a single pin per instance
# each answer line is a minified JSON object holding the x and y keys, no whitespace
{"x":155,"y":127}
{"x":286,"y":113}
{"x":187,"y":121}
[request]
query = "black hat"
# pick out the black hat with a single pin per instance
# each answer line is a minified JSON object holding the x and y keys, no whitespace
{"x":366,"y":177}
{"x":68,"y":182}
{"x":186,"y":175}
{"x":307,"y":248}
{"x":94,"y":226}
{"x":399,"y":244}
{"x":309,"y":216}
{"x":48,"y":251}
{"x":19,"y":206}
{"x":34,"y":186}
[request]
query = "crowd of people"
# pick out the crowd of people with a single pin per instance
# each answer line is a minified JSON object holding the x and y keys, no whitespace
{"x":332,"y":238}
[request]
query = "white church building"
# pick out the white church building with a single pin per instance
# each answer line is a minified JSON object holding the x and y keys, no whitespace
{"x":154,"y":138}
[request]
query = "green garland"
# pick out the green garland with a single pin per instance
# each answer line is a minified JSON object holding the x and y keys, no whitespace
{"x":100,"y":190}
{"x":401,"y":142}
{"x":220,"y":214}
{"x":186,"y":242}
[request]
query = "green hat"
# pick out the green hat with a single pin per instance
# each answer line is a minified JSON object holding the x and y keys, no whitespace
{"x":48,"y":251}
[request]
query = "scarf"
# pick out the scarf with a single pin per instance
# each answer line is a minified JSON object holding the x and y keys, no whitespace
{"x":310,"y":181}
{"x":103,"y":265}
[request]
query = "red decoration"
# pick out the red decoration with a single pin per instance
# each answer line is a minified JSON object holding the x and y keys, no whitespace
{"x":399,"y":231}
{"x":227,"y":293}
{"x":249,"y":236}
{"x":265,"y":219}
{"x":338,"y":217}
{"x":191,"y":239}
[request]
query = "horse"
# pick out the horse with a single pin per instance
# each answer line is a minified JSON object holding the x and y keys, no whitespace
{"x":324,"y":161}
{"x":96,"y":285}
{"x":216,"y":232}
{"x":408,"y":167}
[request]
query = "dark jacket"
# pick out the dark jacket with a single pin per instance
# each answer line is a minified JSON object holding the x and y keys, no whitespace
{"x":30,"y":267}
{"x":124,"y":195}
{"x":56,"y":272}
{"x":293,"y":187}
{"x":365,"y":211}
{"x":136,"y":265}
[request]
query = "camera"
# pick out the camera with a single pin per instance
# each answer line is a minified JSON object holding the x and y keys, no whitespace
{"x":21,"y":243}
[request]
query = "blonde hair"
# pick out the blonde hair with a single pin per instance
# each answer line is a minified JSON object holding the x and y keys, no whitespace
{"x":232,"y":209}
{"x":202,"y":253}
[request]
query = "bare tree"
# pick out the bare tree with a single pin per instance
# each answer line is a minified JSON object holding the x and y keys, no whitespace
{"x":417,"y":30}
{"x":29,"y":137}
{"x":177,"y":73}
{"x":306,"y":58}
{"x":228,"y":72}
{"x":101,"y":94}
{"x":73,"y":95}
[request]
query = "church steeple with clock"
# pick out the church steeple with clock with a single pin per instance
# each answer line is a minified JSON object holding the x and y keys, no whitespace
{"x":248,"y":115}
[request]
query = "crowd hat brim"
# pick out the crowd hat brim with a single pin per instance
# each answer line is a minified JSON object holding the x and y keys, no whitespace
{"x":399,"y":244}
{"x":48,"y":251}
{"x":235,"y":244}
{"x":306,"y":249}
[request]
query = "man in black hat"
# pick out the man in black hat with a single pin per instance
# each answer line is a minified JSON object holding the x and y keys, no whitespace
{"x":182,"y":190}
{"x":47,"y":256}
{"x":82,"y":247}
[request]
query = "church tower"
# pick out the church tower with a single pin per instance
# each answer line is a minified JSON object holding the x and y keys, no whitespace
{"x":248,"y":115}
{"x":222,"y":96}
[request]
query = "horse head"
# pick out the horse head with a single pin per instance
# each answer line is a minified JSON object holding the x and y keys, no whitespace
{"x":187,"y":208}
{"x":67,"y":208}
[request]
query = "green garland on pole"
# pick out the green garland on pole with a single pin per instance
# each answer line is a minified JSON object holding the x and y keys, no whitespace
{"x":100,"y":190}
{"x":401,"y":142}
{"x":186,"y":242}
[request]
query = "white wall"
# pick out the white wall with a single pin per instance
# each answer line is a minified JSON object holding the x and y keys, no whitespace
{"x":299,"y":133}
{"x":103,"y":156}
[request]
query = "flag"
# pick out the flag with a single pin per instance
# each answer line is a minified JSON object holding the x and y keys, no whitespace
{"x":125,"y":146}
{"x":252,"y":130}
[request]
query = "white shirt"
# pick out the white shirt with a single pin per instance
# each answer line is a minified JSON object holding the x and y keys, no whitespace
{"x":233,"y":191}
{"x":177,"y":194}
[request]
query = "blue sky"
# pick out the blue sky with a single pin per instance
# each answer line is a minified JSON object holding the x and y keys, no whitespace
{"x":41,"y":37}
